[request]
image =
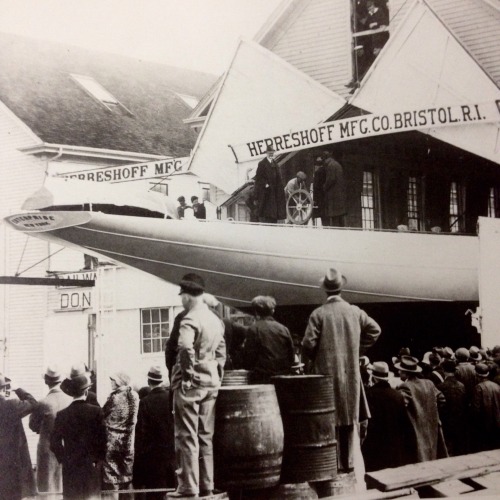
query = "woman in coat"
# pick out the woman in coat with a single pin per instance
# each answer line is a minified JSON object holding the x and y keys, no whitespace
{"x":120,"y":417}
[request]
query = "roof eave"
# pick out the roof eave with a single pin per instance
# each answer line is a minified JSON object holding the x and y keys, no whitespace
{"x":82,"y":151}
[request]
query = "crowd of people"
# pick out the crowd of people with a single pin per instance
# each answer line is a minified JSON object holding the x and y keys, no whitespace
{"x":446,"y":404}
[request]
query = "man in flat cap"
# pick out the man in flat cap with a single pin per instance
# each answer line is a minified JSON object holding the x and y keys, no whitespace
{"x":196,"y":378}
{"x":269,"y":190}
{"x":154,"y":462}
{"x":48,"y":469}
{"x":337,"y":334}
{"x":16,"y":474}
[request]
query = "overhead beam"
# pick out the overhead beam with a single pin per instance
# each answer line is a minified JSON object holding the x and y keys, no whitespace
{"x":18,"y":280}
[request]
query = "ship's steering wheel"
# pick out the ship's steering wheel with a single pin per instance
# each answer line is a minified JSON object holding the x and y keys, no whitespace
{"x":299,"y":206}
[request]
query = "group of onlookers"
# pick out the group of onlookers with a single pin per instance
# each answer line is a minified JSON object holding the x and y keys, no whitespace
{"x":159,"y":437}
{"x":447,"y":404}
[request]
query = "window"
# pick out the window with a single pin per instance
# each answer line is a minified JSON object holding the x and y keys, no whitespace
{"x":414,"y":208}
{"x":205,"y":191}
{"x":368,"y":201}
{"x":494,"y":202}
{"x":97,"y":91}
{"x":457,"y":207}
{"x":160,"y":188}
{"x":155,"y":329}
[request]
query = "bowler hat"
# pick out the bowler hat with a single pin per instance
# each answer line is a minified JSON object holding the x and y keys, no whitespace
{"x":380,"y":370}
{"x":474,"y":353}
{"x":4,"y":381}
{"x":448,"y":353}
{"x":270,"y":149}
{"x":155,"y":374}
{"x":482,"y":370}
{"x":462,"y":354}
{"x":192,"y":284}
{"x":52,"y":374}
{"x":408,"y":364}
{"x":333,"y":280}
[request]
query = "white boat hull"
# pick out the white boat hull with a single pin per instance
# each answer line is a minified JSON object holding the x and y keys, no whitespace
{"x":242,"y":260}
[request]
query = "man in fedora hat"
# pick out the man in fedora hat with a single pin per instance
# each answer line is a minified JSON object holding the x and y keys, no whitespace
{"x":485,"y":411}
{"x":79,"y":442}
{"x":269,"y":190}
{"x":77,"y":370}
{"x":389,"y":428}
{"x":16,"y":473}
{"x":454,"y":413}
{"x":154,"y":462}
{"x":48,"y":469}
{"x":336,"y":335}
{"x":196,"y":378}
{"x":422,"y":400}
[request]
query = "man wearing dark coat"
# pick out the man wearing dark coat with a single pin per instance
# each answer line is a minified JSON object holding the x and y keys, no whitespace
{"x":334,"y":192}
{"x":318,"y":183}
{"x":268,"y":347}
{"x":154,"y":463}
{"x":79,"y":443}
{"x":336,"y":335}
{"x":269,"y":190}
{"x":422,"y":400}
{"x":16,"y":474}
{"x":485,"y":411}
{"x":387,"y":438}
{"x":454,"y":412}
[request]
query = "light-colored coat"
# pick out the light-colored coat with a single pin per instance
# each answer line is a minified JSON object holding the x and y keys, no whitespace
{"x":336,"y":335}
{"x":202,"y":349}
{"x":48,"y":469}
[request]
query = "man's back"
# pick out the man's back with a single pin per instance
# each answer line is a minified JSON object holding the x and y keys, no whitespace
{"x":79,"y":435}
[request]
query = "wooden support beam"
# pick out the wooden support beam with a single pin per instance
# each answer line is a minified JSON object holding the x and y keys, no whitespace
{"x":18,"y":280}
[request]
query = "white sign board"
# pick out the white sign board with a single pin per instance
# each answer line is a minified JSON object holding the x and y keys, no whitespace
{"x":489,"y":280}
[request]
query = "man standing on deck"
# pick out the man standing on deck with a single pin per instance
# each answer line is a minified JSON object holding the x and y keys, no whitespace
{"x":336,"y":335}
{"x":269,"y":190}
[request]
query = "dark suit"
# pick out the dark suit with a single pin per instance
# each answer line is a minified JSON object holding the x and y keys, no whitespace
{"x":454,"y":416}
{"x":79,"y":443}
{"x":16,"y":475}
{"x":389,"y":428}
{"x":269,"y":192}
{"x":154,"y":465}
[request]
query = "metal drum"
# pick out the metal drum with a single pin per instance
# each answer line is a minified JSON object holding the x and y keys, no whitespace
{"x":307,"y":409}
{"x":248,"y":437}
{"x":235,"y":377}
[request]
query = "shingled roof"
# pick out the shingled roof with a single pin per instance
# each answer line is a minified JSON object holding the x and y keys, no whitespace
{"x":36,"y":85}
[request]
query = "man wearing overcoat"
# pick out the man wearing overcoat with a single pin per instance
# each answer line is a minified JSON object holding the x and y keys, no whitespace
{"x":48,"y":469}
{"x":269,"y":190}
{"x":337,"y":334}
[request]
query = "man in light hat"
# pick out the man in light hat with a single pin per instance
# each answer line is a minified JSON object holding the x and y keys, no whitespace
{"x":485,"y":411}
{"x":389,"y":427}
{"x":16,"y":473}
{"x":269,"y":190}
{"x":196,"y":378}
{"x":422,"y":400}
{"x":77,"y":370}
{"x":336,"y":335}
{"x":154,"y":462}
{"x":79,"y":442}
{"x":48,"y":470}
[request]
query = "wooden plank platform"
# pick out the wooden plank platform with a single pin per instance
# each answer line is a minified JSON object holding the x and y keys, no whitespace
{"x":436,"y":471}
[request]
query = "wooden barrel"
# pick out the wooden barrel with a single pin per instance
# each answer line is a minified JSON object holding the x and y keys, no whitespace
{"x":307,"y":409}
{"x":235,"y":377}
{"x":248,"y":437}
